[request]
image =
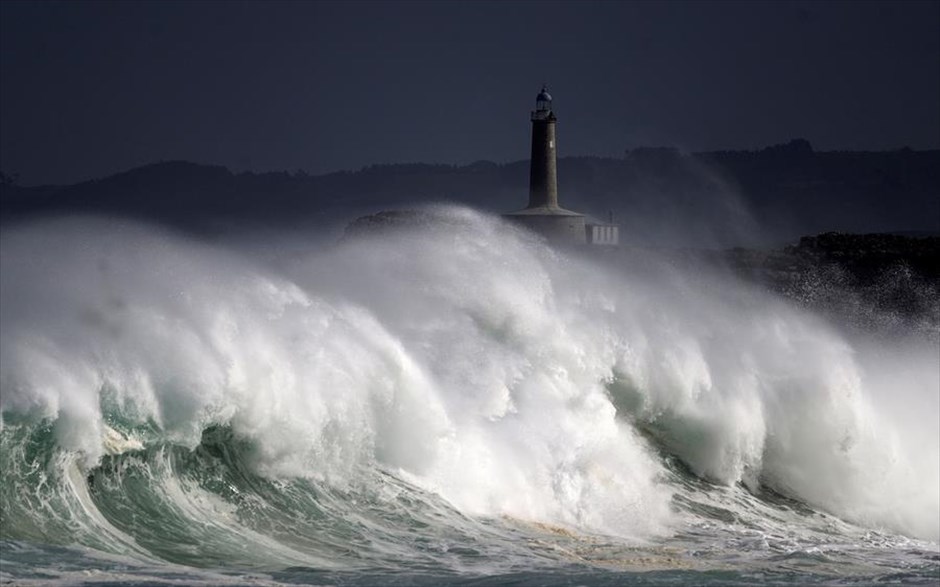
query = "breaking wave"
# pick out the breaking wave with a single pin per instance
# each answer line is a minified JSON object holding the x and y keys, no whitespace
{"x":443,"y":396}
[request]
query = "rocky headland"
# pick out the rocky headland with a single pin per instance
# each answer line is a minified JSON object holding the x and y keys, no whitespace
{"x":890,"y":282}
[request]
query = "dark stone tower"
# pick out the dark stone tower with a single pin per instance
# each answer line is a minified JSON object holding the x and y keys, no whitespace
{"x":543,"y":176}
{"x":543,"y":215}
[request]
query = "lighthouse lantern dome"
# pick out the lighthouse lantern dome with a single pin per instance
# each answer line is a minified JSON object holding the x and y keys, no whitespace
{"x":543,"y":102}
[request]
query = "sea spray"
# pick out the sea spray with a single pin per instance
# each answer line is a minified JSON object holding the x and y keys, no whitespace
{"x":462,"y":361}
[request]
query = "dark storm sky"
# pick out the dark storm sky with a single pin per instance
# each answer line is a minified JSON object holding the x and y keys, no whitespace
{"x":89,"y":89}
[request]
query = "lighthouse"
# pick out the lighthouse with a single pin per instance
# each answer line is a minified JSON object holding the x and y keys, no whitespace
{"x":543,"y":174}
{"x":544,"y":215}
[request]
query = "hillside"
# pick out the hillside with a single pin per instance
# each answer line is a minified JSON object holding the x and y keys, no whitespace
{"x":661,"y":197}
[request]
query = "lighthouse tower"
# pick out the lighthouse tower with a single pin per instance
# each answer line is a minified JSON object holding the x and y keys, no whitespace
{"x":543,"y":214}
{"x":543,"y":175}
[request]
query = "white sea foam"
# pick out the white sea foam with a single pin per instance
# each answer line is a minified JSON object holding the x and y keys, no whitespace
{"x":471,"y":360}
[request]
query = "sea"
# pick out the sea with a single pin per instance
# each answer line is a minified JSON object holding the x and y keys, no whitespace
{"x":446,"y":403}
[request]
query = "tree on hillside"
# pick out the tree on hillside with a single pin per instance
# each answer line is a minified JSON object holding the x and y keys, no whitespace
{"x":9,"y":179}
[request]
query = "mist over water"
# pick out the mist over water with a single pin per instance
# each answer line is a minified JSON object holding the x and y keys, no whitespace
{"x":359,"y":405}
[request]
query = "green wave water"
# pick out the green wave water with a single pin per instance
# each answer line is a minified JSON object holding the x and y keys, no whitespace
{"x":442,"y":407}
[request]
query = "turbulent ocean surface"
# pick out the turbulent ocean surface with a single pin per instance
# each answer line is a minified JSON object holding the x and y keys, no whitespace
{"x":447,"y":404}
